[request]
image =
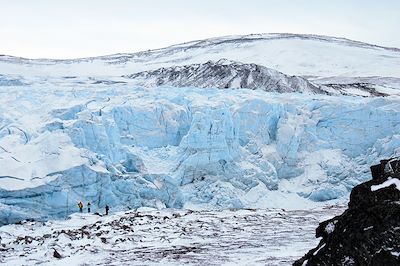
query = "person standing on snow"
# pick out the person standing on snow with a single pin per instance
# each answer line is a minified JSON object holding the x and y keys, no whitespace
{"x":88,"y":207}
{"x":80,"y":205}
{"x":107,"y":208}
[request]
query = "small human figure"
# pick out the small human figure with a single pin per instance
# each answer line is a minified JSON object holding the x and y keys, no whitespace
{"x":80,"y":205}
{"x":107,"y":208}
{"x":88,"y":207}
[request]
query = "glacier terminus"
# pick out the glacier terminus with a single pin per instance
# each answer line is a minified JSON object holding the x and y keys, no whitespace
{"x":256,"y":121}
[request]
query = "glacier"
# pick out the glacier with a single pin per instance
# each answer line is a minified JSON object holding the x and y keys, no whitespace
{"x":195,"y":148}
{"x":198,"y":125}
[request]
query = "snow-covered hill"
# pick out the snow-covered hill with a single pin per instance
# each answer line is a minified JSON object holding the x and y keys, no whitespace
{"x":321,"y":59}
{"x":292,"y":54}
{"x":82,"y":129}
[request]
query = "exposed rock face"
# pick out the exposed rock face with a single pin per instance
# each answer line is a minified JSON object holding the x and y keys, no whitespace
{"x":366,"y":89}
{"x":368,"y":233}
{"x":225,"y":74}
{"x":56,"y":254}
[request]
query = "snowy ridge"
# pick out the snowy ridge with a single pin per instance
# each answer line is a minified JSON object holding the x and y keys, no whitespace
{"x":224,"y":74}
{"x":317,"y":58}
{"x":123,"y":57}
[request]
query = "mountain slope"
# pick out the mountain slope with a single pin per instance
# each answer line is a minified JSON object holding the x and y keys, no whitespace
{"x":224,"y":74}
{"x":301,"y":55}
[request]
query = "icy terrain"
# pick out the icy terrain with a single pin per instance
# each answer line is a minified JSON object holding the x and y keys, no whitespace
{"x":184,"y":147}
{"x":86,"y":130}
{"x":169,"y":237}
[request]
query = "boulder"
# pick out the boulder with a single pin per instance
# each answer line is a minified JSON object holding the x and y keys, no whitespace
{"x":56,"y":254}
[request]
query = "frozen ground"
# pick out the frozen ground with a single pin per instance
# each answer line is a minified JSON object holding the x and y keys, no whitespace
{"x":166,"y":237}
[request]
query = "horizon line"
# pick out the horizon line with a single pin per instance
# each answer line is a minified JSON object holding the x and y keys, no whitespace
{"x":200,"y":40}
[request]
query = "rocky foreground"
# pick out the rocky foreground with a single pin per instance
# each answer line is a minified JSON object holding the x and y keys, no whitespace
{"x":368,"y":233}
{"x":168,"y":237}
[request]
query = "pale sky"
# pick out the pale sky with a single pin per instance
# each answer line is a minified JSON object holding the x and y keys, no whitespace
{"x":81,"y":28}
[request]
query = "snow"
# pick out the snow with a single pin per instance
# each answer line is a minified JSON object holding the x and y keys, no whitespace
{"x":387,"y":90}
{"x":170,"y":237}
{"x":330,"y":227}
{"x":355,"y":91}
{"x":348,"y":261}
{"x":27,"y":165}
{"x":387,"y":183}
{"x":321,"y":58}
{"x":321,"y":247}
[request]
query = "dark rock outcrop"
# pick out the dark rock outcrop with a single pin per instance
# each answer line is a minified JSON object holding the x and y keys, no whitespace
{"x":363,"y":87}
{"x":368,"y":232}
{"x":225,"y":74}
{"x":56,"y":254}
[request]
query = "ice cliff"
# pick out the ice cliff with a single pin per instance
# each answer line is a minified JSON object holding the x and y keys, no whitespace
{"x":184,"y":147}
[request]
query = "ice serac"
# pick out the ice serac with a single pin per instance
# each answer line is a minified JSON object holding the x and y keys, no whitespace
{"x":210,"y":145}
{"x":184,"y":147}
{"x":58,"y":198}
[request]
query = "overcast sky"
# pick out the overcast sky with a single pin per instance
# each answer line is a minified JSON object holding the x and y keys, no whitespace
{"x":79,"y":28}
